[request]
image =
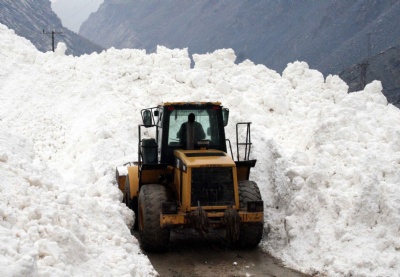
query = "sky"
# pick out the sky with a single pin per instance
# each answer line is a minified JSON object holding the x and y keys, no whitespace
{"x":328,"y":162}
{"x":74,"y":12}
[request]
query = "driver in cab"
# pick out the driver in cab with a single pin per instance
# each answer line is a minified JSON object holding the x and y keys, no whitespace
{"x":190,"y":132}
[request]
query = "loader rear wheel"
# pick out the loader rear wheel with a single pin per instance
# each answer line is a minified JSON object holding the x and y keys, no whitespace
{"x":153,"y":238}
{"x":250,"y":233}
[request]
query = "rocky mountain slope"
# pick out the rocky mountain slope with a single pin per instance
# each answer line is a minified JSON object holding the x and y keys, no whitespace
{"x":29,"y":18}
{"x":329,"y":35}
{"x":384,"y":67}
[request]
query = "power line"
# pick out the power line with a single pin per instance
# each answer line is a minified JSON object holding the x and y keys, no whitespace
{"x":53,"y":33}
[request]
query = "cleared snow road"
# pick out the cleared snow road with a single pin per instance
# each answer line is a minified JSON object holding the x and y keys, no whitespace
{"x":192,"y":255}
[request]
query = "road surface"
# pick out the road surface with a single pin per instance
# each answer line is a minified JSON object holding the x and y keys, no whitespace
{"x":193,"y":255}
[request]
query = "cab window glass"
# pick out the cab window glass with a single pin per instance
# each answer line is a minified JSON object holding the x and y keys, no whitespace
{"x":207,"y":118}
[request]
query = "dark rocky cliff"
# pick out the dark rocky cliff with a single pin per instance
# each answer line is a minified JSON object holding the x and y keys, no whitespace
{"x":384,"y":67}
{"x":28,"y":18}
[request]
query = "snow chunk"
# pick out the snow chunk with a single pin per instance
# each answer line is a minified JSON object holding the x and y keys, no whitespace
{"x":61,"y":49}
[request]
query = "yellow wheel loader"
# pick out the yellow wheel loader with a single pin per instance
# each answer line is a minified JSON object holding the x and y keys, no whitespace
{"x":184,"y":177}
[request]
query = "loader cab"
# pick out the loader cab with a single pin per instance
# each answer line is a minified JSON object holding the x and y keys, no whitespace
{"x":208,"y":115}
{"x":169,"y":117}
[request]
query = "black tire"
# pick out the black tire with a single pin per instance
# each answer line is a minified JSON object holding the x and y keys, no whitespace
{"x":153,"y":238}
{"x":132,"y":203}
{"x":250,"y":233}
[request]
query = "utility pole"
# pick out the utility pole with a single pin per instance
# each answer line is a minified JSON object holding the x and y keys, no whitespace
{"x":363,"y":74}
{"x":53,"y":33}
{"x":364,"y":65}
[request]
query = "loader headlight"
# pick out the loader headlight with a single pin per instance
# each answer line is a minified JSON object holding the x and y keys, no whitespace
{"x":255,"y":206}
{"x":169,"y":208}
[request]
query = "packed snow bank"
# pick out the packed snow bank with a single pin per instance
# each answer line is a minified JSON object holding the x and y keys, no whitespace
{"x":60,"y":214}
{"x":336,"y":196}
{"x":50,"y":228}
{"x":328,"y":161}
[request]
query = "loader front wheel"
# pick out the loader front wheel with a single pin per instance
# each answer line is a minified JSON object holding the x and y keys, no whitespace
{"x":153,"y":237}
{"x":250,"y":233}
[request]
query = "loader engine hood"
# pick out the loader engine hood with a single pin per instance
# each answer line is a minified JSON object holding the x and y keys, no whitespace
{"x":203,"y":158}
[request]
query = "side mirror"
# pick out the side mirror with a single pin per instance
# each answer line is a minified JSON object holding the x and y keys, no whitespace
{"x":225,"y":116}
{"x":146,"y":116}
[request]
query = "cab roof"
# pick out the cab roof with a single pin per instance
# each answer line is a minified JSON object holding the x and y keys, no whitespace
{"x":191,"y":103}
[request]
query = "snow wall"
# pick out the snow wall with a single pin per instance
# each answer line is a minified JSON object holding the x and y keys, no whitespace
{"x":327,"y":161}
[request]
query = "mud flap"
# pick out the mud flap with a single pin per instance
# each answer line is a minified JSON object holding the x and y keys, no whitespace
{"x":243,"y":169}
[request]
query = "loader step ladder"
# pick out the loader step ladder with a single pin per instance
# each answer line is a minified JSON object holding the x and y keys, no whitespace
{"x":247,"y":143}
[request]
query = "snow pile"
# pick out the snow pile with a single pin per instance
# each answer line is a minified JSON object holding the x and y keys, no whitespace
{"x":52,"y":225}
{"x":49,"y":228}
{"x":328,"y":162}
{"x":336,"y":195}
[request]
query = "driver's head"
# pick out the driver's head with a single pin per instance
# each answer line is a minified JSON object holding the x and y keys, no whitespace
{"x":191,"y":117}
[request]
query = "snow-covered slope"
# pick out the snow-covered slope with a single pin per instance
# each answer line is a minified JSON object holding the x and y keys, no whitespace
{"x":328,"y":162}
